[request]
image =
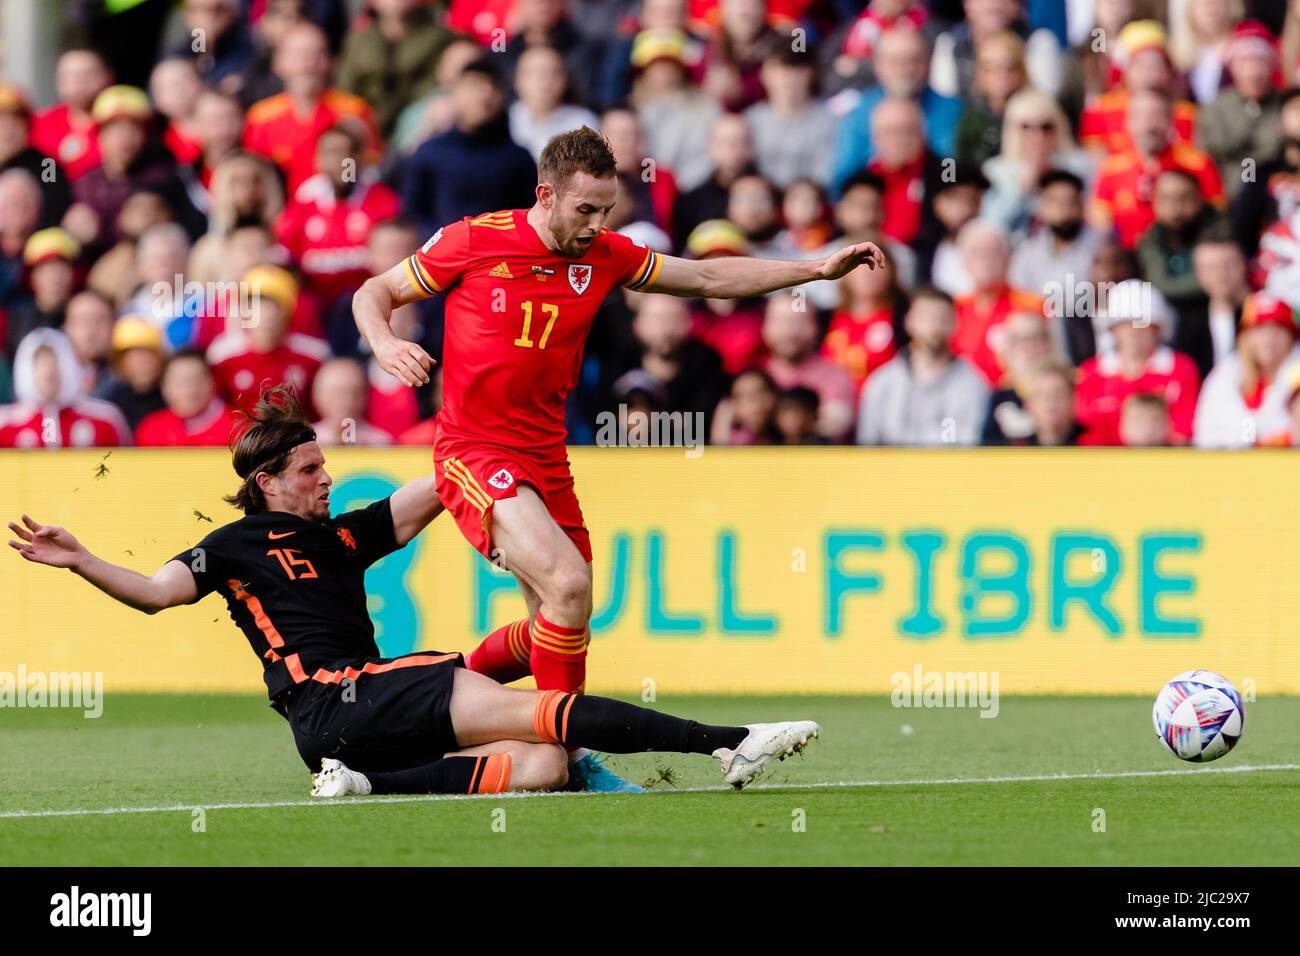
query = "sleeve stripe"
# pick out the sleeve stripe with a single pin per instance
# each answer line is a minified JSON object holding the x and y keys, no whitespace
{"x":647,"y":273}
{"x":417,"y":274}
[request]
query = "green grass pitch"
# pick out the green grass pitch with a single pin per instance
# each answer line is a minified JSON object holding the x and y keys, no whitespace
{"x":867,"y":793}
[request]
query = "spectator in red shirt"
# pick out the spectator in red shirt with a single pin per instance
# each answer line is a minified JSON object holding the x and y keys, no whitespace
{"x":1125,"y":187}
{"x":51,"y":411}
{"x":1139,"y":319}
{"x":194,"y":414}
{"x":790,"y":332}
{"x":284,"y":128}
{"x":906,"y":165}
{"x":731,"y":327}
{"x":243,"y":358}
{"x":862,"y":334}
{"x":175,"y":87}
{"x":981,"y":316}
{"x":329,"y":219}
{"x":339,"y":393}
{"x":66,"y":130}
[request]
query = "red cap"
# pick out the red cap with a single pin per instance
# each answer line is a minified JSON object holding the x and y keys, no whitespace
{"x":1260,"y":308}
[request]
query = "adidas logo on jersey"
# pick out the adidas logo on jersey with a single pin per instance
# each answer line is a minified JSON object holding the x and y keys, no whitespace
{"x":501,"y":271}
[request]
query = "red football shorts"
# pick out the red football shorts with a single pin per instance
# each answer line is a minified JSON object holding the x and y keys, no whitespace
{"x":472,"y":478}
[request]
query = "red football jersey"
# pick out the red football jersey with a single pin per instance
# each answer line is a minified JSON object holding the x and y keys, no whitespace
{"x":517,"y":316}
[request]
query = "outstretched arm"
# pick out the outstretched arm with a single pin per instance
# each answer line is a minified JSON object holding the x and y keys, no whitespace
{"x":372,"y":307}
{"x":57,"y":548}
{"x":737,"y":278}
{"x":414,"y":505}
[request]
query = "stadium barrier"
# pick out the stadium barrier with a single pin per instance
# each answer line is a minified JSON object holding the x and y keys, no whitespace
{"x":755,"y":570}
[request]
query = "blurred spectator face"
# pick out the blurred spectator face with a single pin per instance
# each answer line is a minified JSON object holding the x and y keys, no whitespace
{"x":860,"y":211}
{"x":1113,"y":14}
{"x":389,"y":245}
{"x":663,"y":15}
{"x":662,"y":324}
{"x":1039,"y":135}
{"x":269,"y":323}
{"x":1252,"y":75}
{"x":393,"y":8}
{"x":902,"y":63}
{"x":52,"y":283}
{"x":187,"y":386}
{"x":1177,"y":201}
{"x":333,"y":150}
{"x":898,"y":130}
{"x":930,"y":324}
{"x":956,"y":206}
{"x":1268,"y":345}
{"x":1211,"y":18}
{"x":999,"y":68}
{"x":20,"y":202}
{"x":1060,"y":209}
{"x":802,"y":205}
{"x":161,"y":254}
{"x":13,"y":135}
{"x":1135,"y":343}
{"x":795,"y":420}
{"x":243,"y":249}
{"x":88,"y":323}
{"x":1111,"y":264}
{"x":986,"y":253}
{"x":1291,"y":119}
{"x":539,"y":15}
{"x":786,"y":84}
{"x":141,"y":368}
{"x":870,"y":286}
{"x":743,"y":19}
{"x":1050,"y":403}
{"x":754,"y":402}
{"x":1148,"y":70}
{"x":247,"y":190}
{"x":750,"y":205}
{"x":663,"y":76}
{"x":623,"y":130}
{"x":45,"y":374}
{"x":281,"y":16}
{"x":120,"y":142}
{"x":1150,"y":123}
{"x":1025,"y":343}
{"x":989,"y":16}
{"x":212,"y":17}
{"x":174,"y":87}
{"x":302,"y":61}
{"x":730,"y":146}
{"x":340,"y":391}
{"x":790,"y":332}
{"x":142,"y":211}
{"x":220,"y":122}
{"x":458,"y":54}
{"x":80,"y":76}
{"x":475,"y":101}
{"x":1144,"y":423}
{"x":540,"y":79}
{"x":1220,"y":269}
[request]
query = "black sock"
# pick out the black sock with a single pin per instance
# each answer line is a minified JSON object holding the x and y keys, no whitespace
{"x":489,"y":774}
{"x":615,"y":727}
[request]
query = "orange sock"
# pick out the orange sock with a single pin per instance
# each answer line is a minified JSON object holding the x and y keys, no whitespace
{"x":558,"y":656}
{"x":503,"y":655}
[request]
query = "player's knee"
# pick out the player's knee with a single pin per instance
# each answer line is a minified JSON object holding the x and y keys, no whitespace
{"x":570,"y":588}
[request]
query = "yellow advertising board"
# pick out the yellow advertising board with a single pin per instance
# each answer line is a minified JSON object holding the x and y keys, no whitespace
{"x":745,"y":570}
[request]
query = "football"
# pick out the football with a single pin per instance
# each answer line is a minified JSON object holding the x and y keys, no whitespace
{"x":1199,"y":716}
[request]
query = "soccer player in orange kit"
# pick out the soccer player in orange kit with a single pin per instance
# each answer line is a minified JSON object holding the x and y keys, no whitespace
{"x":523,"y":286}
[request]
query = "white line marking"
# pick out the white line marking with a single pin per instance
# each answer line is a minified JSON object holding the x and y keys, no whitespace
{"x":824,"y":785}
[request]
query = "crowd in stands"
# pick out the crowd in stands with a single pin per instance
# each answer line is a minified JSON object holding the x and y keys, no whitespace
{"x":1090,"y":211}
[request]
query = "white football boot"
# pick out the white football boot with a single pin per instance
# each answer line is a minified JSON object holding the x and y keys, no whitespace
{"x":765,"y":743}
{"x":336,"y":780}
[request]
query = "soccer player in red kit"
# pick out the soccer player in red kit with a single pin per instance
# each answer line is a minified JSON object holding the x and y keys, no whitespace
{"x":523,"y":286}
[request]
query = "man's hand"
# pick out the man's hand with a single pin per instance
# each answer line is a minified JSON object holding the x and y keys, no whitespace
{"x":849,"y":258}
{"x":405,"y":361}
{"x":46,"y":544}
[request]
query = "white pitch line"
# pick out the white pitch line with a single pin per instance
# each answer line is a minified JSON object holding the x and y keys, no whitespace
{"x":824,"y":785}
